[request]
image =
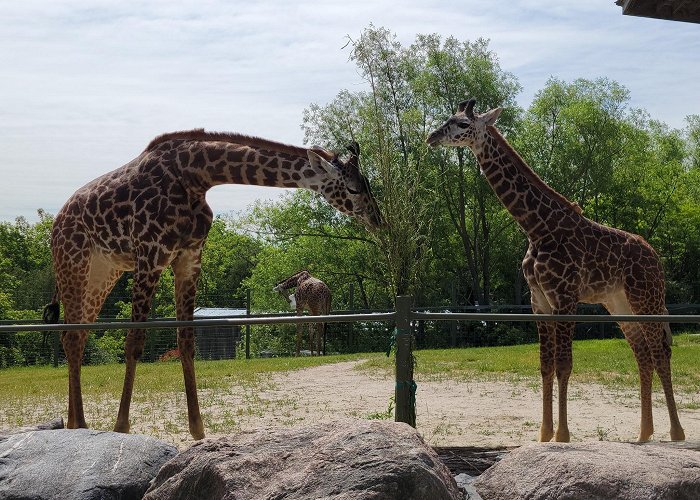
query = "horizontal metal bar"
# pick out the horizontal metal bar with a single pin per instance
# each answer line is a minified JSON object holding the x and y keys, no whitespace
{"x":347,"y":318}
{"x":205,"y":323}
{"x":580,"y":318}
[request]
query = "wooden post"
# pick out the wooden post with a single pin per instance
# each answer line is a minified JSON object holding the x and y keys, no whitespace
{"x":453,"y":324}
{"x":247,"y":327}
{"x":405,"y":386}
{"x":351,"y":306}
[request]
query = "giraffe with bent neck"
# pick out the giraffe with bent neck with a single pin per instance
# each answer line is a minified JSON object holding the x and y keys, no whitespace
{"x":312,"y":294}
{"x":572,"y":259}
{"x":152,"y":213}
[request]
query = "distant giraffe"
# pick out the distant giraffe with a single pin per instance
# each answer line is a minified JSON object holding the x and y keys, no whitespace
{"x":152,"y":213}
{"x":572,"y":259}
{"x":170,"y":355}
{"x":312,"y":294}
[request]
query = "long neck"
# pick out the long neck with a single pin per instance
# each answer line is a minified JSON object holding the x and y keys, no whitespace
{"x":535,"y":206}
{"x":293,"y":280}
{"x":209,"y":159}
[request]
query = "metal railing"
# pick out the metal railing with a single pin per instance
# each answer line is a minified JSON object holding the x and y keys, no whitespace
{"x":403,"y":316}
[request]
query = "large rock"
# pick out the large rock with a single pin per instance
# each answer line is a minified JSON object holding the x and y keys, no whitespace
{"x":79,"y":464}
{"x":595,"y":470}
{"x":56,"y":423}
{"x":340,"y":460}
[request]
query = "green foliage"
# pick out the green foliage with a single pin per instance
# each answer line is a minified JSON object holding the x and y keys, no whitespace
{"x":449,"y":241}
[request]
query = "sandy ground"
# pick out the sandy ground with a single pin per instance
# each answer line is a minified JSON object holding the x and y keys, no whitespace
{"x":448,"y":413}
{"x":483,"y":412}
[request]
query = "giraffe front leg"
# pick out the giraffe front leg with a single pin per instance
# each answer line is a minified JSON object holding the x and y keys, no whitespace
{"x":133,"y":350}
{"x":645,"y":366}
{"x":563,"y":363}
{"x":300,"y":330}
{"x":146,"y":278}
{"x":187,"y":269}
{"x":547,"y":343}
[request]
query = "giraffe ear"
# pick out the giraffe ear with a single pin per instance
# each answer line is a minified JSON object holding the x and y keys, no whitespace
{"x":320,"y":165}
{"x":491,"y":116}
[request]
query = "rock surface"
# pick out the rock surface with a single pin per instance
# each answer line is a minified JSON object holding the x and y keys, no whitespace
{"x":593,"y":470}
{"x":79,"y":464}
{"x":354,"y":459}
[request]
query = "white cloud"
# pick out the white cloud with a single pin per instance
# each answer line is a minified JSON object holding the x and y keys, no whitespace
{"x":86,"y":86}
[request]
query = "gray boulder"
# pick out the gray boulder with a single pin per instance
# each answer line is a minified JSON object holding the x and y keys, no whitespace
{"x":56,"y":423}
{"x":79,"y":464}
{"x":340,"y":460}
{"x":593,"y":470}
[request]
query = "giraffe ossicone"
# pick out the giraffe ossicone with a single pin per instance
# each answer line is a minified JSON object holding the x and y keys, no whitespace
{"x":152,"y":213}
{"x":310,"y":293}
{"x":572,"y":259}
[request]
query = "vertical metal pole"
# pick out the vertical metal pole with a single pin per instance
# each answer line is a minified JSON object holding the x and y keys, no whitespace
{"x":405,"y":386}
{"x":351,"y":305}
{"x":453,"y":324}
{"x":247,"y":327}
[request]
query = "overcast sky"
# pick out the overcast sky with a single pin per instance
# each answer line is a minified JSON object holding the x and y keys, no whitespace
{"x":85,"y":85}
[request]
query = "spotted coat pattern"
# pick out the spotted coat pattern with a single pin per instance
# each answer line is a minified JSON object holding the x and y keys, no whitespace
{"x":572,"y":259}
{"x":313,"y":295}
{"x":152,"y":213}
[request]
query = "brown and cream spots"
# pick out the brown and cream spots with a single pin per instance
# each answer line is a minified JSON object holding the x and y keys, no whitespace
{"x":572,"y":259}
{"x":152,"y":213}
{"x":311,"y":294}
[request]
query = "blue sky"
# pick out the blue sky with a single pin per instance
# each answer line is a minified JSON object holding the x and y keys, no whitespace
{"x":86,"y":85}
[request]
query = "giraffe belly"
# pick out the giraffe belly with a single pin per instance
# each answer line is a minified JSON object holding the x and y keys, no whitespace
{"x":101,"y":259}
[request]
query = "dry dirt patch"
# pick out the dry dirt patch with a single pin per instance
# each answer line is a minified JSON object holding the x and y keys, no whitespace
{"x":449,"y":412}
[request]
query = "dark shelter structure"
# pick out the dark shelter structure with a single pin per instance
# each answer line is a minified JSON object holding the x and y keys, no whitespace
{"x":217,"y":342}
{"x":671,"y":10}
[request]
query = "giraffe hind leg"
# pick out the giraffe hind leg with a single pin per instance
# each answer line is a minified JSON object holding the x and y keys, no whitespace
{"x":661,"y":355}
{"x":85,"y":287}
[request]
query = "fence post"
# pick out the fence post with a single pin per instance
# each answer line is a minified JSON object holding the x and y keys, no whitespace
{"x":247,"y":327}
{"x":351,"y":305}
{"x":405,"y":386}
{"x":453,"y":324}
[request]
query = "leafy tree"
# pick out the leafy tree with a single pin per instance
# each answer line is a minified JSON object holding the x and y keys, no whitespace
{"x":228,"y":258}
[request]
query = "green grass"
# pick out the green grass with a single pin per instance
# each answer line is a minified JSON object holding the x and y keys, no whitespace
{"x":609,"y":362}
{"x":230,"y":391}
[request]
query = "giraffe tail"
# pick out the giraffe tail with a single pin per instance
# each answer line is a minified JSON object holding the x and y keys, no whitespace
{"x":669,"y":336}
{"x":667,"y":329}
{"x":52,"y":310}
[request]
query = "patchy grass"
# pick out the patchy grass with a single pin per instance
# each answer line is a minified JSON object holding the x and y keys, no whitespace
{"x":609,"y":362}
{"x":234,"y":392}
{"x":29,"y":395}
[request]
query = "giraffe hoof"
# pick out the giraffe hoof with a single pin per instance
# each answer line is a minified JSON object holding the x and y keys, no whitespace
{"x":562,"y":436}
{"x":677,"y":434}
{"x":123,"y":428}
{"x":197,"y":434}
{"x":546,"y":435}
{"x":197,"y":430}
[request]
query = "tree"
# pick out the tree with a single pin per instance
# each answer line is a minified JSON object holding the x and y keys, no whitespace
{"x":432,"y":200}
{"x":228,"y":258}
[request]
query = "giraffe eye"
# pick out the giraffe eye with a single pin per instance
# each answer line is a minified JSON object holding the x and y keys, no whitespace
{"x":462,"y":125}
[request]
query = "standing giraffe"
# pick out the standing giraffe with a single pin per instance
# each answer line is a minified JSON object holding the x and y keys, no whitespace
{"x":312,"y":294}
{"x":572,"y":259}
{"x":152,"y":213}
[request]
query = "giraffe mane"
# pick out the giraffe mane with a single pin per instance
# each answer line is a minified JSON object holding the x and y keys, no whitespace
{"x":199,"y":134}
{"x":295,"y":274}
{"x":530,"y":173}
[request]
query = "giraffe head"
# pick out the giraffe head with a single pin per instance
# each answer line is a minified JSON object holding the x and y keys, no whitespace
{"x":344,"y":186}
{"x":464,"y":128}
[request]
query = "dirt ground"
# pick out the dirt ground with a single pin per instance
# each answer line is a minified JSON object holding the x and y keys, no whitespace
{"x":448,"y":413}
